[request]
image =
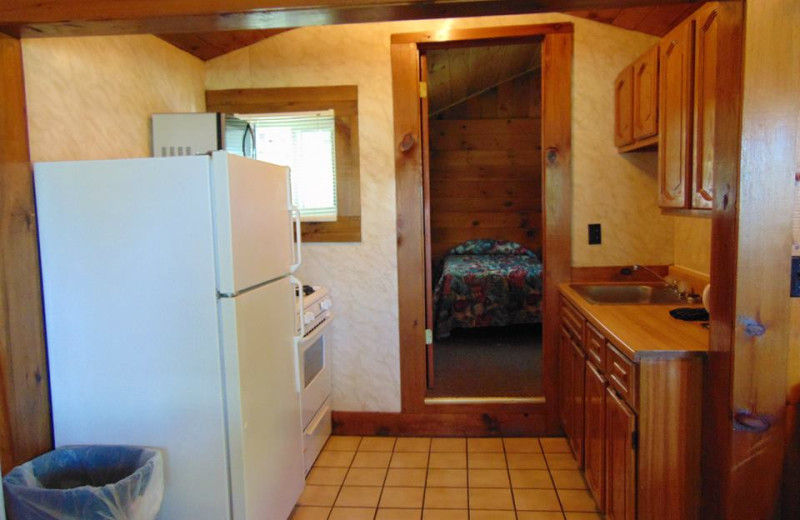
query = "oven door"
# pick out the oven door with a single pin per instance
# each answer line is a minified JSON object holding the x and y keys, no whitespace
{"x":315,"y":370}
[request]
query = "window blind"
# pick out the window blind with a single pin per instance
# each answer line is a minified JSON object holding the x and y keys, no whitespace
{"x":306,"y":142}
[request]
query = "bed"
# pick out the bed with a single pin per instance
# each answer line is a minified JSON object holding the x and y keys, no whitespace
{"x":487,"y":283}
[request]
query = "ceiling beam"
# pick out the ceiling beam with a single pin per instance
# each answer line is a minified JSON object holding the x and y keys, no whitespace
{"x":31,"y":18}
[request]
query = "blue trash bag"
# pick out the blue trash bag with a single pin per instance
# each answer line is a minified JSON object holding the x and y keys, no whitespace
{"x":87,"y":482}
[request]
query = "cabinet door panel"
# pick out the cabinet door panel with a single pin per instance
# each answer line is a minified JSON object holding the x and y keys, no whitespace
{"x":565,"y":380}
{"x":675,"y":116}
{"x":623,"y":107}
{"x":578,"y":371}
{"x":645,"y":95}
{"x":620,"y":459}
{"x":594,"y":424}
{"x":705,"y":107}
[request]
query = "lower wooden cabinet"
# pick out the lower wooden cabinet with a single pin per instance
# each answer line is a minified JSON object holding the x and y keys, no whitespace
{"x":609,"y":401}
{"x":620,"y":459}
{"x":571,"y":400}
{"x":578,"y":379}
{"x":565,"y":390}
{"x":594,"y":450}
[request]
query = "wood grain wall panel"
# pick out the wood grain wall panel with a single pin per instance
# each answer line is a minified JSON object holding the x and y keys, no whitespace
{"x":486,"y":170}
{"x":557,"y":183}
{"x":209,"y":45}
{"x":670,"y":418}
{"x":630,"y":18}
{"x":410,"y":240}
{"x":32,"y":18}
{"x":770,"y":104}
{"x":467,"y":158}
{"x":516,"y":141}
{"x":664,"y":17}
{"x":656,"y":20}
{"x":482,"y":204}
{"x":519,"y":96}
{"x":461,"y":74}
{"x":25,"y":430}
{"x":753,"y":172}
{"x":440,"y":423}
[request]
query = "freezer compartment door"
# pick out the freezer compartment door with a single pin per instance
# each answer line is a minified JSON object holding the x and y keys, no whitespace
{"x":263,"y":404}
{"x":253,"y":223}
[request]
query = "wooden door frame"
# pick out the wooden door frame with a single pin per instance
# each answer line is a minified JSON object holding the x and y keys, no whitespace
{"x":531,"y":418}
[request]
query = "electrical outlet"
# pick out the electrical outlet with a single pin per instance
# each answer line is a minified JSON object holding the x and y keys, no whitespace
{"x":595,"y":236}
{"x":795,"y":291}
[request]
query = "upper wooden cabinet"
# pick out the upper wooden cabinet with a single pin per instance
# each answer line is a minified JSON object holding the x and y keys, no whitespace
{"x":689,"y":98}
{"x":645,"y":95}
{"x":705,"y":88}
{"x":623,"y":108}
{"x":636,"y":103}
{"x":674,"y":147}
{"x":671,"y":96}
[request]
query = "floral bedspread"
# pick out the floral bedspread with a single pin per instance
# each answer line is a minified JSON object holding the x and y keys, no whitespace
{"x":488,"y":283}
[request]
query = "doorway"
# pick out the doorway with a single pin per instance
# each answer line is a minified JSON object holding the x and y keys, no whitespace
{"x":483,"y":416}
{"x":484,"y":230}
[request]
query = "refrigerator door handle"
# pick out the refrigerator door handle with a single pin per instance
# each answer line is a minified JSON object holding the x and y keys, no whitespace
{"x":296,"y":241}
{"x":298,"y":316}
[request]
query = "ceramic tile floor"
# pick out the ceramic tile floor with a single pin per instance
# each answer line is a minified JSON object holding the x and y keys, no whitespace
{"x":412,"y":478}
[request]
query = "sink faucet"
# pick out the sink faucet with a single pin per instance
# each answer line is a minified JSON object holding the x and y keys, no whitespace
{"x":672,"y":284}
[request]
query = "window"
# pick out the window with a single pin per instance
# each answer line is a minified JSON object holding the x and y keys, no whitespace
{"x":306,"y":142}
{"x":344,"y":223}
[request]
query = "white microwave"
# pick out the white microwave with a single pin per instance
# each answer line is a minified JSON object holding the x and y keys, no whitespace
{"x":200,"y":133}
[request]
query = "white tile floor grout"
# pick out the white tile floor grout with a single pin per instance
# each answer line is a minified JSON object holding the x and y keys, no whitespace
{"x":422,"y":478}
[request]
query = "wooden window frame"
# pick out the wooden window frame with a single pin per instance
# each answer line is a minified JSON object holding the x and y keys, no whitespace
{"x":343,"y":99}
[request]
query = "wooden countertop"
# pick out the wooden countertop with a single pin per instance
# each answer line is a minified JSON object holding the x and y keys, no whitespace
{"x":641,"y":331}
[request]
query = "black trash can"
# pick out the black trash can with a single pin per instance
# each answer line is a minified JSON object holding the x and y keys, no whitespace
{"x":87,"y":482}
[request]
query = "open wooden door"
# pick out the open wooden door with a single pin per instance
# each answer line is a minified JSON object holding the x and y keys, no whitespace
{"x":426,"y":210}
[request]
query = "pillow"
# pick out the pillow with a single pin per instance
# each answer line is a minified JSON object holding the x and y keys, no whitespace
{"x":488,"y":246}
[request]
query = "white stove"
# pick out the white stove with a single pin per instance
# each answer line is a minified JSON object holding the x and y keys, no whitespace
{"x":317,"y":305}
{"x":314,"y":367}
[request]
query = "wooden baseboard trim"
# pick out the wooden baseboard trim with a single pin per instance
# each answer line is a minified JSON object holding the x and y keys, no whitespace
{"x":440,"y":424}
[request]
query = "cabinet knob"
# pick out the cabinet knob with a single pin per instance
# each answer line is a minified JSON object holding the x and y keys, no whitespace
{"x":747,"y":421}
{"x":407,"y":143}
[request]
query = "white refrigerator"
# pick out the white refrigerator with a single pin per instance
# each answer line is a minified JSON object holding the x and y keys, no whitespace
{"x":170,"y":319}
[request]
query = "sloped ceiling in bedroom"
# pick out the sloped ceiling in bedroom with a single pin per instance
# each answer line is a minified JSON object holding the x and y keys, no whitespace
{"x":457,"y":74}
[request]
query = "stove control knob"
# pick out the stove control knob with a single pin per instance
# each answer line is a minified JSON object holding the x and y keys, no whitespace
{"x":308,"y":317}
{"x":325,"y":304}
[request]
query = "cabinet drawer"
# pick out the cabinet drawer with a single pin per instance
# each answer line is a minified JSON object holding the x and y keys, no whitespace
{"x":595,"y":346}
{"x":621,"y":373}
{"x":572,"y":319}
{"x":316,"y":434}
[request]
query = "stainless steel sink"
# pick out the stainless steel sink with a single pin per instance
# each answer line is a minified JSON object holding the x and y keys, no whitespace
{"x":625,"y":294}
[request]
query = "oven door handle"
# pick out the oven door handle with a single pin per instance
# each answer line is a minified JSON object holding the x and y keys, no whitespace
{"x":297,"y":339}
{"x":306,"y":342}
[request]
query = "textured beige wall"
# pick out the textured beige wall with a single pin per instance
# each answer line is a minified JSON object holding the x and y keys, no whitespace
{"x":617,"y":191}
{"x":693,"y":243}
{"x":91,"y":98}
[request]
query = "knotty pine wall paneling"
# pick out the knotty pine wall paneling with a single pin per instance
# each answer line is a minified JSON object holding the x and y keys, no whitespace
{"x":24,"y":400}
{"x":486,"y":168}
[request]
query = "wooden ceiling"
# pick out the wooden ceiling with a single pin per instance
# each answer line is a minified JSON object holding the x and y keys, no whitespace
{"x":457,"y":74}
{"x":653,"y":19}
{"x":656,"y":20}
{"x":208,"y":45}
